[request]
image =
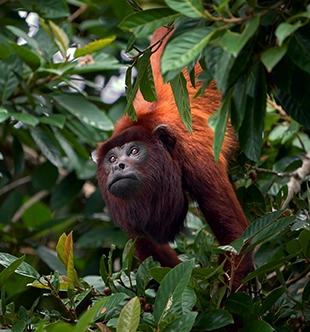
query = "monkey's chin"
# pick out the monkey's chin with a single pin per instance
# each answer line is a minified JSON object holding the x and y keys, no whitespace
{"x":124,"y":188}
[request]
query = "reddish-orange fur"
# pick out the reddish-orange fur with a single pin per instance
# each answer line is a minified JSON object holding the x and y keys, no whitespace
{"x":203,"y":178}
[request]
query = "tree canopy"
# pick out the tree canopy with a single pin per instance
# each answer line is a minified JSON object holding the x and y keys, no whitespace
{"x":68,"y":71}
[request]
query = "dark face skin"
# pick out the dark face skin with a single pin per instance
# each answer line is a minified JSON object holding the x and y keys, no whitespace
{"x":122,"y":165}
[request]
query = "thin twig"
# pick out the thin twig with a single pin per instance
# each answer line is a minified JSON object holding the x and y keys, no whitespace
{"x":37,"y":197}
{"x":77,"y":13}
{"x":15,"y":184}
{"x":300,"y":276}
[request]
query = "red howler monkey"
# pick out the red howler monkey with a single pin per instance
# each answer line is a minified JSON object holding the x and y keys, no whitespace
{"x":146,"y":167}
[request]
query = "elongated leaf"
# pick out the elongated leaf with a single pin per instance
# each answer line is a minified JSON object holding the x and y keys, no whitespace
{"x":84,"y":111}
{"x":145,"y":77}
{"x":239,"y":303}
{"x":110,"y":303}
{"x":185,"y":48}
{"x":233,"y":42}
{"x":89,"y":316}
{"x":26,"y":118}
{"x":270,"y":300}
{"x":93,"y":46}
{"x":299,"y":48}
{"x":48,"y":146}
{"x":238,"y":103}
{"x":9,"y":270}
{"x":145,"y":22}
{"x":64,"y":251}
{"x":60,"y":38}
{"x":273,"y":55}
{"x":32,"y":59}
{"x":182,"y":323}
{"x":284,"y":30}
{"x":189,"y":8}
{"x":271,"y":266}
{"x":261,"y":223}
{"x":143,"y":276}
{"x":169,"y":295}
{"x":250,"y":133}
{"x":221,"y":120}
{"x":272,"y":229}
{"x":214,"y":319}
{"x":129,"y":318}
{"x":258,"y":326}
{"x":22,"y":34}
{"x":23,"y":269}
{"x":47,"y":8}
{"x":8,"y":80}
{"x":180,"y":93}
{"x":66,"y":191}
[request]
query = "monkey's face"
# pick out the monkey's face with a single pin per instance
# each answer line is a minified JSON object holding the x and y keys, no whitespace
{"x":123,"y":167}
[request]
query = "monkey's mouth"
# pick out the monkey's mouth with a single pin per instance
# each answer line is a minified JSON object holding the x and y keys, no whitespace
{"x":119,"y":179}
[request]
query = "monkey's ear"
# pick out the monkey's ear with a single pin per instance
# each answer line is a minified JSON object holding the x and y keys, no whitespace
{"x":165,"y":134}
{"x":94,"y":156}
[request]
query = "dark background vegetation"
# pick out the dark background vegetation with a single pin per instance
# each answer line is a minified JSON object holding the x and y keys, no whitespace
{"x":62,"y":86}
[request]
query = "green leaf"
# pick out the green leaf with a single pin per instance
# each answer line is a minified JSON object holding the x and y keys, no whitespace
{"x":270,"y":300}
{"x":271,"y":266}
{"x":213,"y":319}
{"x":189,"y":8}
{"x":129,"y":317}
{"x":23,"y":269}
{"x":272,"y":56}
{"x":272,"y":229}
{"x":4,"y":52}
{"x":101,"y":61}
{"x":260,"y":223}
{"x":93,"y":46}
{"x":250,"y":132}
{"x":22,"y":34}
{"x":66,"y":191}
{"x":8,"y":78}
{"x":145,"y":77}
{"x":299,"y":48}
{"x":233,"y":42}
{"x":32,"y":59}
{"x":4,"y":114}
{"x":182,"y":323}
{"x":26,"y":118}
{"x":258,"y":326}
{"x":284,"y":30}
{"x":57,"y":120}
{"x":169,"y":295}
{"x":180,"y":93}
{"x":47,"y":145}
{"x":143,"y":277}
{"x":185,"y":48}
{"x":110,"y":303}
{"x":89,"y":316}
{"x":221,"y":120}
{"x":60,"y":38}
{"x":47,"y":8}
{"x":84,"y":110}
{"x":144,"y":22}
{"x":37,"y":214}
{"x":239,"y":303}
{"x":10,"y":269}
{"x":238,"y":103}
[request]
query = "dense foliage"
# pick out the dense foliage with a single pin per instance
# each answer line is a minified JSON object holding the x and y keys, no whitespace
{"x":63,"y":68}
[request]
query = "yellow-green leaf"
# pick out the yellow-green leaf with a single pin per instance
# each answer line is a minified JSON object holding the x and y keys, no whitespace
{"x":93,"y":46}
{"x":60,"y":38}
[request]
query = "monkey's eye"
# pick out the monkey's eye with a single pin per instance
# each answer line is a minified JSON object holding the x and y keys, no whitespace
{"x":112,"y":159}
{"x":134,"y":151}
